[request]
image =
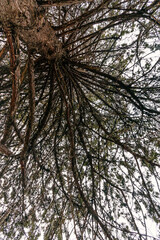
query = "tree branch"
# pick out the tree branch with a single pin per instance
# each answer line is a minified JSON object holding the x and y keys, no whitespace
{"x":60,"y":2}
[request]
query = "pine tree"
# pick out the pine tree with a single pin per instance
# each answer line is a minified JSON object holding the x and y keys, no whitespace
{"x":79,"y":119}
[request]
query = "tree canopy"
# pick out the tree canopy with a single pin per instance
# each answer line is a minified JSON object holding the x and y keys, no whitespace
{"x":79,"y":119}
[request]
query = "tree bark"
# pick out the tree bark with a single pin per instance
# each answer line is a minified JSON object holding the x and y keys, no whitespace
{"x":27,"y":20}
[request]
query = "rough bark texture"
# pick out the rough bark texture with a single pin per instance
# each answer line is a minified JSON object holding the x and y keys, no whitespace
{"x":26,"y":19}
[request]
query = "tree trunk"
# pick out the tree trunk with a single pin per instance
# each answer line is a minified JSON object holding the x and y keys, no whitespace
{"x":26,"y":19}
